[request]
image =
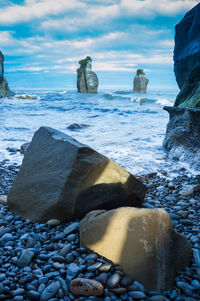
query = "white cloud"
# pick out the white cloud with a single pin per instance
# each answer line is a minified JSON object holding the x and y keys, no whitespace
{"x":151,"y":7}
{"x":33,"y":9}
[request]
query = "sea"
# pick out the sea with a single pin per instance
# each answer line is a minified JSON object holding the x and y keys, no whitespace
{"x":127,"y":127}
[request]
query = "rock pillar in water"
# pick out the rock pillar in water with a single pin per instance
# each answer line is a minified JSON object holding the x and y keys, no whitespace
{"x":4,"y":89}
{"x":87,"y":80}
{"x":140,"y":82}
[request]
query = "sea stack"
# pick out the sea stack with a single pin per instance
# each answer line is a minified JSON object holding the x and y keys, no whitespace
{"x":87,"y":80}
{"x":4,"y":89}
{"x":183,"y":130}
{"x":140,"y":82}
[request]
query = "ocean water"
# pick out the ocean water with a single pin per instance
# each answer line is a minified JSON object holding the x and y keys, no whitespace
{"x":127,"y":127}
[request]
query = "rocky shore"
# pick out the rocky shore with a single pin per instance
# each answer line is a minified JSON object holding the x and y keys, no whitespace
{"x":39,"y":261}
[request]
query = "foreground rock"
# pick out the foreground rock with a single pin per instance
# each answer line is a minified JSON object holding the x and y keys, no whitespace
{"x":87,"y":80}
{"x":4,"y":89}
{"x":182,"y":138}
{"x":142,"y":241}
{"x":187,"y":59}
{"x":86,"y":287}
{"x":140,"y":82}
{"x":63,"y":179}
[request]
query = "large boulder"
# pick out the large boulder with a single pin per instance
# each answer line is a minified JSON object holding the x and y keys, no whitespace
{"x":187,"y":59}
{"x":63,"y":179}
{"x":142,"y":241}
{"x":140,"y":82}
{"x":87,"y":80}
{"x":4,"y":89}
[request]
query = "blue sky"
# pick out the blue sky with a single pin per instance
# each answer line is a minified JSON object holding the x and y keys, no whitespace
{"x":43,"y":40}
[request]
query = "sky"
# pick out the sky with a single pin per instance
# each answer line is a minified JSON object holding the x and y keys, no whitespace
{"x":43,"y":41}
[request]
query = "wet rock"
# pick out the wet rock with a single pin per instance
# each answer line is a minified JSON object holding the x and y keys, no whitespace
{"x":77,"y":126}
{"x":139,"y":240}
{"x":113,"y":281}
{"x":3,"y":200}
{"x":86,"y":287}
{"x":24,"y":147}
{"x":68,"y":179}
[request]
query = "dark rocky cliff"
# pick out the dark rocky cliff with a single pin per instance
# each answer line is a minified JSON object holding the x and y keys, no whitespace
{"x":87,"y":80}
{"x":187,"y":59}
{"x":182,"y":139}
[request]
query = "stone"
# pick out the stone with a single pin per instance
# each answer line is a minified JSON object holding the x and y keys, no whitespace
{"x":25,"y":258}
{"x":63,"y":179}
{"x":24,"y":147}
{"x":77,"y":126}
{"x":182,"y":135}
{"x":142,"y":241}
{"x":140,"y":82}
{"x":4,"y":89}
{"x":113,"y":281}
{"x":187,"y":59}
{"x":86,"y":287}
{"x":26,"y":97}
{"x":71,"y":228}
{"x":87,"y":80}
{"x":50,"y":291}
{"x":3,"y":200}
{"x":53,"y":222}
{"x":182,"y":138}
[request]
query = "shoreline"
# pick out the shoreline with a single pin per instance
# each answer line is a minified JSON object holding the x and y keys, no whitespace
{"x":46,"y":243}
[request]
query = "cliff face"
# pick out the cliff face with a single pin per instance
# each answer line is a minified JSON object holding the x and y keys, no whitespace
{"x":87,"y":80}
{"x":187,"y":59}
{"x":4,"y":89}
{"x":182,"y":138}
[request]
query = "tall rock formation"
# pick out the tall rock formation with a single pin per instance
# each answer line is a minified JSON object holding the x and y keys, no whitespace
{"x":140,"y":82}
{"x":187,"y":59}
{"x":87,"y":80}
{"x":183,"y":130}
{"x":4,"y":89}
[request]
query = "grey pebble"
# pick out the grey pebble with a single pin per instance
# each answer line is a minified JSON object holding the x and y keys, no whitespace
{"x":25,"y":258}
{"x":50,"y":291}
{"x":65,"y":250}
{"x":113,"y":281}
{"x":105,"y":267}
{"x":94,"y":267}
{"x":71,"y":228}
{"x":33,"y":295}
{"x":137,"y":295}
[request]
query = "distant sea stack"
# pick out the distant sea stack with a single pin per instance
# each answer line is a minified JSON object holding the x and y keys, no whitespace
{"x":183,"y":130}
{"x":87,"y":80}
{"x":140,"y":82}
{"x":4,"y":89}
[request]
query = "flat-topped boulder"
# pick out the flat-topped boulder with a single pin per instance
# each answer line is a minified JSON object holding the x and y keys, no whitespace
{"x":87,"y":80}
{"x":60,"y":178}
{"x":142,"y":241}
{"x":4,"y":88}
{"x":140,"y":82}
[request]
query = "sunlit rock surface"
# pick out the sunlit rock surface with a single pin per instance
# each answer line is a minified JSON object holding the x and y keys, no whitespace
{"x":142,"y":241}
{"x":63,"y":179}
{"x":87,"y":80}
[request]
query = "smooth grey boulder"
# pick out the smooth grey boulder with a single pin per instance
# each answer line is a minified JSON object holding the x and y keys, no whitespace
{"x":140,"y":82}
{"x":4,"y":89}
{"x":187,"y":59}
{"x":141,"y":240}
{"x":63,"y":179}
{"x":87,"y":80}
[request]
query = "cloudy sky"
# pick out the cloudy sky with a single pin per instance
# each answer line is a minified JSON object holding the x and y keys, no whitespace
{"x":43,"y":40}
